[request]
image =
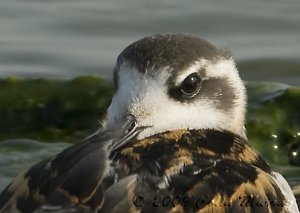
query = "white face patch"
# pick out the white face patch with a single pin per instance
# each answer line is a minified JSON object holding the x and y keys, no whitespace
{"x":137,"y":94}
{"x":147,"y":99}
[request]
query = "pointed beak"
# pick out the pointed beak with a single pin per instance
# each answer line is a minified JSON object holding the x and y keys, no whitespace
{"x":125,"y":133}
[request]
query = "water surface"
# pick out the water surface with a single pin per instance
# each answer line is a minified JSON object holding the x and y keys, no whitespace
{"x":64,"y":39}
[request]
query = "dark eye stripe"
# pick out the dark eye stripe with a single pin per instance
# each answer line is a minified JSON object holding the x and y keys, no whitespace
{"x":218,"y":90}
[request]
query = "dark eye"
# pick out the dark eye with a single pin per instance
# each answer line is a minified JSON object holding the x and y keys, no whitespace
{"x":191,"y":85}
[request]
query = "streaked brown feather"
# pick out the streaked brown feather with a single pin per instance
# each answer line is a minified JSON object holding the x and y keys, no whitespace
{"x":214,"y":170}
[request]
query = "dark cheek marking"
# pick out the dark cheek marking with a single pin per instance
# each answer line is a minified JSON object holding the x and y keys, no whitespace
{"x":218,"y":90}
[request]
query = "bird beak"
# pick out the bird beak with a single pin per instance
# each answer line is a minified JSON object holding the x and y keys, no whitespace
{"x":125,"y":133}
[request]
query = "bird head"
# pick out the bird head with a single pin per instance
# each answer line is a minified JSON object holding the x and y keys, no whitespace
{"x":170,"y":82}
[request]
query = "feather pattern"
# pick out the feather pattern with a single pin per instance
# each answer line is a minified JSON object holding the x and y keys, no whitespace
{"x":175,"y":171}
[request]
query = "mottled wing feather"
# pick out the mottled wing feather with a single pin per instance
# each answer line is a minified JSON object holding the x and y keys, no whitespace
{"x":210,"y":171}
{"x":71,"y":178}
{"x":233,"y":190}
{"x":210,"y":192}
{"x":178,"y":171}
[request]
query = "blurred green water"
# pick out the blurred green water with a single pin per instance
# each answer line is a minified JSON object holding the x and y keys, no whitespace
{"x":52,"y":110}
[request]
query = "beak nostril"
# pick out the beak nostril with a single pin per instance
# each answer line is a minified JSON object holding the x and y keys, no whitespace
{"x":129,"y":131}
{"x":130,"y":123}
{"x":131,"y":126}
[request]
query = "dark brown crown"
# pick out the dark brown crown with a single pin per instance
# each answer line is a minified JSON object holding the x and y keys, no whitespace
{"x":176,"y":51}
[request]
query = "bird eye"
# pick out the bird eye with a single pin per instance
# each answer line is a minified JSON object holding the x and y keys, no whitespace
{"x":191,"y":85}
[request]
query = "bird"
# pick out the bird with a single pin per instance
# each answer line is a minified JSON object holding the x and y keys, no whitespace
{"x":173,"y":140}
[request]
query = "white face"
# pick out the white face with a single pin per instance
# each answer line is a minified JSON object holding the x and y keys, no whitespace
{"x":147,"y":99}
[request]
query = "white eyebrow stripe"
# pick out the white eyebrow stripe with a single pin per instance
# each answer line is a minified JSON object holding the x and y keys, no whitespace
{"x":217,"y":69}
{"x":195,"y":67}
